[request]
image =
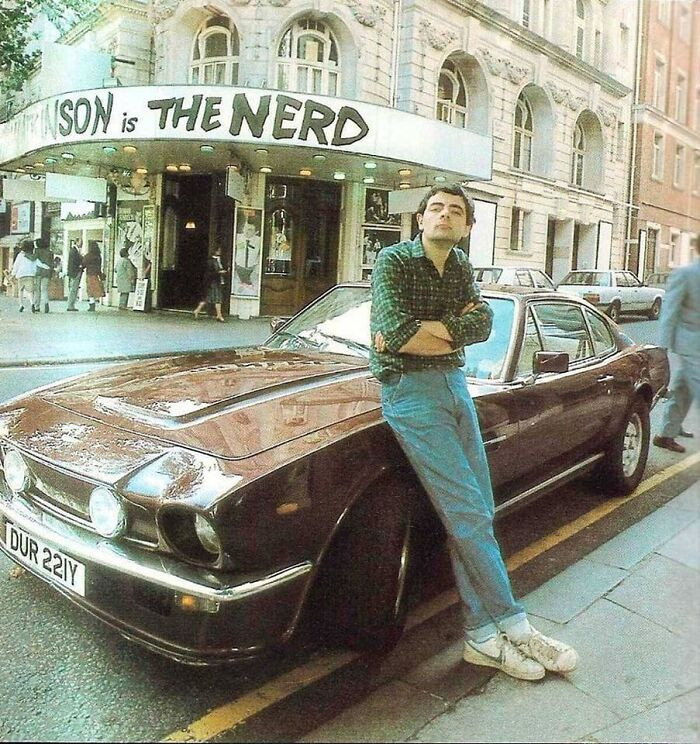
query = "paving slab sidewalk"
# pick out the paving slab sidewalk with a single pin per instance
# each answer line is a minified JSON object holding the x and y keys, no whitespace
{"x":632,"y":610}
{"x":60,"y":337}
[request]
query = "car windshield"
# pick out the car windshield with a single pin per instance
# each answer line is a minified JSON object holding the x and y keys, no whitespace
{"x":338,"y":323}
{"x":588,"y":278}
{"x":489,"y":275}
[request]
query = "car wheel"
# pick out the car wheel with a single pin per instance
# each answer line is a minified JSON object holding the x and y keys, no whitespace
{"x":367,"y":572}
{"x":655,"y":310}
{"x":626,"y":456}
{"x":614,"y":312}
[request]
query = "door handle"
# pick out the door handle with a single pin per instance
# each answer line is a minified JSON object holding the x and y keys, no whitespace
{"x":605,"y":378}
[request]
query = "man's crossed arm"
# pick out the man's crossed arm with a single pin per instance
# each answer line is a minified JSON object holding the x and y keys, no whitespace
{"x":431,"y":339}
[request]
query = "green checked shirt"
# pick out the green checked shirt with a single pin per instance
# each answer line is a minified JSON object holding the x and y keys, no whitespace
{"x":407,"y":288}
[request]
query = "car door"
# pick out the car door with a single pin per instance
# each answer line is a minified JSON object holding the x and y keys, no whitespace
{"x":628,"y":297}
{"x":640,"y":292}
{"x":560,"y":415}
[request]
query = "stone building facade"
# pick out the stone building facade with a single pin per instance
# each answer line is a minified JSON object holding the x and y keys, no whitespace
{"x":527,"y":101}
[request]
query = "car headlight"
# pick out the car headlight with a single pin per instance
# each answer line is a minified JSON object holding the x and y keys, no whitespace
{"x":16,"y":471}
{"x":107,"y":512}
{"x":190,"y":534}
{"x":206,"y":534}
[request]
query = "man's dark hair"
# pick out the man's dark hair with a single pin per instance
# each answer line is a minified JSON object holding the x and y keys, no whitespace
{"x":27,"y":245}
{"x":124,"y":252}
{"x":456,"y":189}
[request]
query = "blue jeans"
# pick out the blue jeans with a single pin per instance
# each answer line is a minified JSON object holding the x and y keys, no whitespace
{"x":434,"y":419}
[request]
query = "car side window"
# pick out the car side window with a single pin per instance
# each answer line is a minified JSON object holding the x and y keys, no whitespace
{"x":621,"y":279}
{"x":632,"y":280}
{"x":523,"y":278}
{"x":603,"y":341}
{"x":531,"y":344}
{"x":541,"y":280}
{"x":564,"y":329}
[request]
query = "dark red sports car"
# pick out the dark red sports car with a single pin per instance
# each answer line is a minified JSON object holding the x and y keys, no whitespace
{"x":209,"y":505}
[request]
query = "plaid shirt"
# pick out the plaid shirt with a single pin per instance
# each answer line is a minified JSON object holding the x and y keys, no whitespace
{"x":407,"y":288}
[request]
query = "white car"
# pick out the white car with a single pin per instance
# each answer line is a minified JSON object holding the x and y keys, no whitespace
{"x":516,"y":276}
{"x":615,"y":292}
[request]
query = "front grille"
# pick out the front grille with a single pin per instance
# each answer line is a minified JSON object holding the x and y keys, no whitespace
{"x":67,"y":496}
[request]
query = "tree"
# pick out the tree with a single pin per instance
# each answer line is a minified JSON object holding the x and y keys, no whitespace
{"x":16,"y":17}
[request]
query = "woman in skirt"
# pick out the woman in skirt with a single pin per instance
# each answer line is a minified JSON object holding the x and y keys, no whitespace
{"x":214,"y":280}
{"x":92,"y":263}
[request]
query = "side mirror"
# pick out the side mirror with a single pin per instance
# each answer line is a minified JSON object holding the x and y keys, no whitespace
{"x":550,"y":361}
{"x":277,"y":323}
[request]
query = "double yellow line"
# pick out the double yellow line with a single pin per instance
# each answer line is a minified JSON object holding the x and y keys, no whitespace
{"x":236,"y":712}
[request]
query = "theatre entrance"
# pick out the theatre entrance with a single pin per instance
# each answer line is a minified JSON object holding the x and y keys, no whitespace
{"x":196,"y":216}
{"x":300,"y":252}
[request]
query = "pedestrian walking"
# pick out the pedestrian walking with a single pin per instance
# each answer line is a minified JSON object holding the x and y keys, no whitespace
{"x":126,"y":278}
{"x":92,"y":263}
{"x":44,"y":271}
{"x":24,"y":270}
{"x":680,"y":334}
{"x":74,"y":271}
{"x":425,"y":309}
{"x":214,"y":280}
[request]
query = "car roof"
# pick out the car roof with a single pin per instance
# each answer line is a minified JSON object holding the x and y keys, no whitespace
{"x":502,"y":290}
{"x":593,"y":271}
{"x":515,"y":268}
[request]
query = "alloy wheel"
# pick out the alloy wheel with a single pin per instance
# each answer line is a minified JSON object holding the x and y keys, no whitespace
{"x":632,"y":448}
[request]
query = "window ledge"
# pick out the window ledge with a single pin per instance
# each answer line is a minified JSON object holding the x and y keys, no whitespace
{"x":658,"y":179}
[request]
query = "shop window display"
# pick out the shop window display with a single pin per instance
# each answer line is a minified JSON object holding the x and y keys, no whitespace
{"x":380,"y":228}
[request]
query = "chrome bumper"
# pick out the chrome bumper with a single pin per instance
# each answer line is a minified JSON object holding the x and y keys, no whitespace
{"x":152,"y":568}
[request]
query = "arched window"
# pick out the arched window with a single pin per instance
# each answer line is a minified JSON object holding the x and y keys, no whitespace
{"x":215,"y":53}
{"x":308,"y":59}
{"x":522,"y":146}
{"x":580,"y":26}
{"x":451,"y":96}
{"x":578,"y":155}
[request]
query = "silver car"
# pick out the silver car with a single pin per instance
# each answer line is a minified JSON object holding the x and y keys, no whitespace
{"x":515,"y":276}
{"x":615,"y":292}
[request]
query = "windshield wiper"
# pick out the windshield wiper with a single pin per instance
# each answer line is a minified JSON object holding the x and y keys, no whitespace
{"x":301,"y":339}
{"x":345,"y":341}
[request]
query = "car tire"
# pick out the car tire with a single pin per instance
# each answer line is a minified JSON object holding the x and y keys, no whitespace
{"x":613,"y":312}
{"x":626,"y":456}
{"x":654,"y":310}
{"x":367,"y":573}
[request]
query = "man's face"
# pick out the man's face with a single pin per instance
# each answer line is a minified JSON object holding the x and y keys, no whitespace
{"x":444,"y":219}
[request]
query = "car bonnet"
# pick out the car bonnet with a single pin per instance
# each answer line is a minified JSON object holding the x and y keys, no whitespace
{"x":231,"y":404}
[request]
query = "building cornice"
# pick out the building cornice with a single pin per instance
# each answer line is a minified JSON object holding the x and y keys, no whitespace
{"x":101,"y":13}
{"x":650,"y":116}
{"x":538,"y":44}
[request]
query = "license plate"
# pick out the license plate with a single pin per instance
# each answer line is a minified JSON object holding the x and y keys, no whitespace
{"x":45,"y":560}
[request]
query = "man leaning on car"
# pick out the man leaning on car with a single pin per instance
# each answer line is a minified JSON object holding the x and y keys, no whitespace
{"x":680,"y":333}
{"x":425,"y":310}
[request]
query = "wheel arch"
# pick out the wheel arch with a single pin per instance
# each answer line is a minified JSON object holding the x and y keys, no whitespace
{"x":643,"y":389}
{"x":423,"y":511}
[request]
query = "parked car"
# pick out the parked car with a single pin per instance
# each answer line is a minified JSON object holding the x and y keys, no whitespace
{"x":658,"y":279}
{"x":616,"y":292}
{"x":211,"y":505}
{"x":515,"y":276}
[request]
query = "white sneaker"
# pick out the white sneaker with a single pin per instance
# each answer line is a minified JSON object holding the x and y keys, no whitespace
{"x":501,"y":654}
{"x":553,"y":655}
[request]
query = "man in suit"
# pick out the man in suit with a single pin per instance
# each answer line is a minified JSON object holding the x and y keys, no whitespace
{"x":680,"y":333}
